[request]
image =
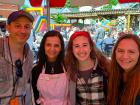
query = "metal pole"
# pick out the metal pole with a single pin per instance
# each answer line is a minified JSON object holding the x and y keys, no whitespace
{"x":128,"y":22}
{"x":48,"y":14}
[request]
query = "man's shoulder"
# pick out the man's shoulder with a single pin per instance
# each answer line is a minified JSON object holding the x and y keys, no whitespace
{"x":28,"y":49}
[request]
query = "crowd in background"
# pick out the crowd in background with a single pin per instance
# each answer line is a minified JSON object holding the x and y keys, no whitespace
{"x":104,"y":39}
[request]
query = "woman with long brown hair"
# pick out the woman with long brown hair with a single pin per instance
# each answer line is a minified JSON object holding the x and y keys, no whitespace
{"x":124,"y":80}
{"x":87,"y":68}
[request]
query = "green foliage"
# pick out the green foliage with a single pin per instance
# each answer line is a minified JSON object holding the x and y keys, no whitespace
{"x":107,"y":7}
{"x":113,"y":2}
{"x":58,"y":18}
{"x":67,"y":3}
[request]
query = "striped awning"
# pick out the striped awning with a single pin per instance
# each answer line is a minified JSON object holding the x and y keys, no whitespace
{"x":91,"y":14}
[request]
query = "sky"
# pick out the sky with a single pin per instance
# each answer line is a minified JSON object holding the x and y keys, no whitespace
{"x":27,"y":2}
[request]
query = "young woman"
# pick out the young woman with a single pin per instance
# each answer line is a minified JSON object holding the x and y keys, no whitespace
{"x":49,"y":78}
{"x":87,"y":68}
{"x":124,"y":81}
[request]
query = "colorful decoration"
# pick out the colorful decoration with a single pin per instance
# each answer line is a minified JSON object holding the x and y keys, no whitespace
{"x":40,"y":24}
{"x":36,"y":9}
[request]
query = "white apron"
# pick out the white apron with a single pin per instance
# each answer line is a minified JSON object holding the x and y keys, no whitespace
{"x":53,"y":88}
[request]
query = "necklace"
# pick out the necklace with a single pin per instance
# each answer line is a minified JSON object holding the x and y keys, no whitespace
{"x":15,"y":78}
{"x":52,"y":70}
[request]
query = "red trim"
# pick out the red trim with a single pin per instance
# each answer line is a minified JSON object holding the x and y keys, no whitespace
{"x":57,"y":3}
{"x":53,"y":3}
{"x":128,"y":1}
{"x":35,"y":3}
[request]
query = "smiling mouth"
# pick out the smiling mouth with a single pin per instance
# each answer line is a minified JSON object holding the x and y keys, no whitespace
{"x":126,"y":62}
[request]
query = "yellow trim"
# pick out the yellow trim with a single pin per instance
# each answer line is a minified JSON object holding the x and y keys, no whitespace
{"x":41,"y":10}
{"x":128,"y":23}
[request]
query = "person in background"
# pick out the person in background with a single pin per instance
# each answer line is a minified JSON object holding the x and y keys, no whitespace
{"x":49,"y":76}
{"x":88,"y":70}
{"x":16,"y":60}
{"x":107,"y":44}
{"x":124,"y":80}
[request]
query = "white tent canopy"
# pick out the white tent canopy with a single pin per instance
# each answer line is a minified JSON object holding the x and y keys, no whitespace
{"x":16,"y":2}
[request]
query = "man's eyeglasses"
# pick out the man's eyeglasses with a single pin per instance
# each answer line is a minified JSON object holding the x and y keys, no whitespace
{"x":19,"y":71}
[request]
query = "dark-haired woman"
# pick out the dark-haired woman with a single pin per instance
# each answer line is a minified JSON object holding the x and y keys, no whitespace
{"x":49,"y":77}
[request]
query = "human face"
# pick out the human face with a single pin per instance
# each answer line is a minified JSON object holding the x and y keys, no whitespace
{"x":19,"y":30}
{"x":81,"y":48}
{"x":127,"y":54}
{"x":52,"y":48}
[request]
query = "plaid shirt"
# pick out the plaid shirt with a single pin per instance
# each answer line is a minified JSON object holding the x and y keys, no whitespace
{"x":92,"y":91}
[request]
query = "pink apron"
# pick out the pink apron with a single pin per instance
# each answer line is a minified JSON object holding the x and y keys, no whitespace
{"x":53,"y":89}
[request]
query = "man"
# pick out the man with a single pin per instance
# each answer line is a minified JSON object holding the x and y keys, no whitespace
{"x":15,"y":59}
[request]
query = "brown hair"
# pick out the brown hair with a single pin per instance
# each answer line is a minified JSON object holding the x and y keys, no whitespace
{"x":72,"y":63}
{"x":132,"y":86}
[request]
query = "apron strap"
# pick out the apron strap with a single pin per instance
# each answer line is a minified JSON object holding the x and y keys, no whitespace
{"x":43,"y":69}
